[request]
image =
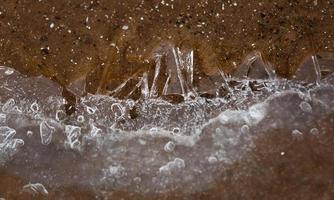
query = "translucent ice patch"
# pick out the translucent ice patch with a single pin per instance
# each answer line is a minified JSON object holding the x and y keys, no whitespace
{"x":315,"y":68}
{"x":73,"y":134}
{"x":172,"y":166}
{"x":306,"y":107}
{"x":254,"y":67}
{"x":46,"y":132}
{"x":151,"y":145}
{"x":9,"y":145}
{"x":169,"y":147}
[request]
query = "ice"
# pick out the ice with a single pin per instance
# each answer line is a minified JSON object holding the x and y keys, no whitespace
{"x":245,"y":129}
{"x":173,"y":166}
{"x":315,"y":132}
{"x":78,"y":87}
{"x":315,"y":68}
{"x":81,"y":119}
{"x":150,"y":144}
{"x":212,"y":159}
{"x":6,"y":134}
{"x":73,"y":134}
{"x":29,"y":133}
{"x":91,"y":110}
{"x":60,"y":115}
{"x":118,"y":110}
{"x":35,"y":189}
{"x":9,"y":72}
{"x":297,"y":134}
{"x":9,"y":145}
{"x":306,"y":107}
{"x":34,"y":107}
{"x":46,"y":132}
{"x":257,"y":112}
{"x":2,"y":118}
{"x":251,"y":116}
{"x":113,"y":174}
{"x":254,"y":67}
{"x":10,"y":106}
{"x":169,"y":146}
{"x":176,"y":75}
{"x":176,"y":130}
{"x":137,"y":180}
{"x":114,"y":171}
{"x":95,"y":132}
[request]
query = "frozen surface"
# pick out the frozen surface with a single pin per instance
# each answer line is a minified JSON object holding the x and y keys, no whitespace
{"x":149,"y":145}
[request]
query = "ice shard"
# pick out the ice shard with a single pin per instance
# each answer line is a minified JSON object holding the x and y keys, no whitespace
{"x":315,"y":68}
{"x":174,"y":70}
{"x":254,"y":67}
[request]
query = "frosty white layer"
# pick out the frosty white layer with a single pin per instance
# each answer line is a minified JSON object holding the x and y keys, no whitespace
{"x":164,"y":148}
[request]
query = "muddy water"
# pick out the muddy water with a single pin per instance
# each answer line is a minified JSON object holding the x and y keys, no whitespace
{"x":252,"y":136}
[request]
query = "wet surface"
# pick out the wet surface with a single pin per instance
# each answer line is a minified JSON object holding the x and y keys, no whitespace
{"x":166,"y":99}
